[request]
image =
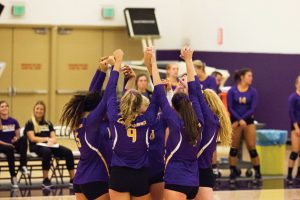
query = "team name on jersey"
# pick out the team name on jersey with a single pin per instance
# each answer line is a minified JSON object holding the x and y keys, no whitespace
{"x":8,"y":128}
{"x":143,"y":123}
{"x":44,"y":128}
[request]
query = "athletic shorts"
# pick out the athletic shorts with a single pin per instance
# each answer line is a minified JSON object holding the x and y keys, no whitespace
{"x":189,"y":191}
{"x":292,"y":126}
{"x":157,"y":178}
{"x":134,"y":181}
{"x":249,"y":120}
{"x":206,"y":178}
{"x":92,"y":190}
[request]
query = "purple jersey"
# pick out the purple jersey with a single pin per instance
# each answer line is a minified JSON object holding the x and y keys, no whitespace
{"x":92,"y":139}
{"x":94,"y":153}
{"x":211,"y":127}
{"x":209,"y":82}
{"x":130,"y":145}
{"x":8,"y":131}
{"x":157,"y":147}
{"x":241,"y":105}
{"x":294,"y":108}
{"x":181,"y":165}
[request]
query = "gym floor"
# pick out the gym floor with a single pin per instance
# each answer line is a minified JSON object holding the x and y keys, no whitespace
{"x":271,"y":187}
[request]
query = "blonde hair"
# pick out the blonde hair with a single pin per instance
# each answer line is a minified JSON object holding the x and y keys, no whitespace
{"x":130,"y":106}
{"x":218,"y":108}
{"x":199,"y":65}
{"x":169,"y":66}
{"x":146,"y":101}
{"x":36,"y":125}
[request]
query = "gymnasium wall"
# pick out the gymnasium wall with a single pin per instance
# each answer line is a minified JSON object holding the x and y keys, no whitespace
{"x":88,"y":13}
{"x":263,"y":35}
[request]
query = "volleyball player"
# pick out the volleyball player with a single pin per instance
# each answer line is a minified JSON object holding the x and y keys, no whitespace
{"x":181,"y":167}
{"x":84,"y":114}
{"x":219,"y":77}
{"x":205,"y":80}
{"x":156,"y":149}
{"x":216,"y":124}
{"x":294,"y":112}
{"x":242,"y":101}
{"x":129,"y":124}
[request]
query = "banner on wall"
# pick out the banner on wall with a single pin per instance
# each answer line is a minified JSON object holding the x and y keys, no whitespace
{"x":141,"y":22}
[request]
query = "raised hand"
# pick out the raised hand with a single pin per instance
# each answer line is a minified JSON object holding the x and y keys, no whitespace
{"x":167,"y":84}
{"x":103,"y":64}
{"x":186,"y":53}
{"x":128,"y":72}
{"x":148,"y":54}
{"x":111,"y":60}
{"x":118,"y":55}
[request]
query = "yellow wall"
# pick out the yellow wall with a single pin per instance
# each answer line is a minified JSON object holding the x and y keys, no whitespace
{"x":51,"y":63}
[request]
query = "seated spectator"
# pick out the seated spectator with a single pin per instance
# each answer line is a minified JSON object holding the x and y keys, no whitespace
{"x":42,"y":141}
{"x":11,"y":142}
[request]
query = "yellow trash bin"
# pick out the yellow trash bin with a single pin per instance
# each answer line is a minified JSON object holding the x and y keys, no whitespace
{"x":271,"y":148}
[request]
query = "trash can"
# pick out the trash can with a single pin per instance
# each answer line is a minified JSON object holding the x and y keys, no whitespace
{"x":271,"y":148}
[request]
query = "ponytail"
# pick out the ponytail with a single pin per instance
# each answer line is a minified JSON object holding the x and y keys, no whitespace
{"x":239,"y":73}
{"x":130,"y":106}
{"x":183,"y":106}
{"x":218,"y":108}
{"x":74,"y":110}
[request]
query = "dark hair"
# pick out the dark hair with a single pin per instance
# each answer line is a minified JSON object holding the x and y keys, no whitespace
{"x":1,"y":102}
{"x":79,"y":104}
{"x":239,"y":73}
{"x":216,"y":73}
{"x":138,"y":77}
{"x":183,"y":106}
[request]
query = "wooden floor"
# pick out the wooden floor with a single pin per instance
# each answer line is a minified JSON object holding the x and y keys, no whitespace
{"x":279,"y":194}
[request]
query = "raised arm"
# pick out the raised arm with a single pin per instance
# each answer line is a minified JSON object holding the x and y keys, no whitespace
{"x":99,"y":77}
{"x":158,"y":87}
{"x":112,"y":104}
{"x":94,"y":118}
{"x":187,"y":56}
{"x":95,"y":77}
{"x":253,"y":105}
{"x":130,"y":77}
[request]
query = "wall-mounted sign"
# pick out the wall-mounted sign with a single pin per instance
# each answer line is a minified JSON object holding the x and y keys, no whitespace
{"x":31,"y":66}
{"x":78,"y":66}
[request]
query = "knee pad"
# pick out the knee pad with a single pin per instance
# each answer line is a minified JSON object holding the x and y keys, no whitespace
{"x":293,"y":155}
{"x":253,"y":153}
{"x":233,"y":152}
